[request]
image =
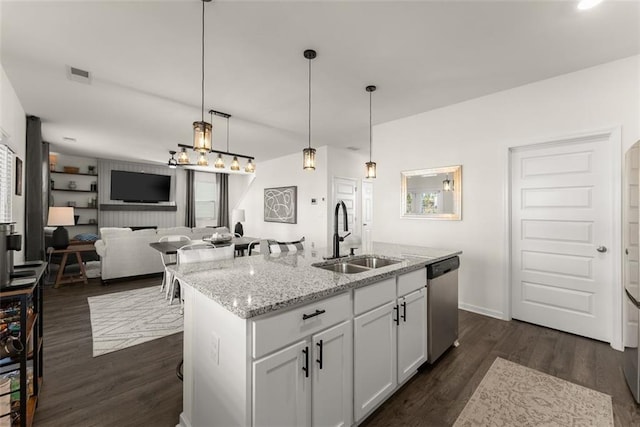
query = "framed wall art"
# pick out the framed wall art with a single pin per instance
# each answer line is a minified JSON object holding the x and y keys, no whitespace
{"x":281,"y":204}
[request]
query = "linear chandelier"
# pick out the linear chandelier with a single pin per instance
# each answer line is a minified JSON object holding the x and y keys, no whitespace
{"x":184,"y":160}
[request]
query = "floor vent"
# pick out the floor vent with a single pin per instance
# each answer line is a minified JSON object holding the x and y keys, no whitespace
{"x":78,"y":75}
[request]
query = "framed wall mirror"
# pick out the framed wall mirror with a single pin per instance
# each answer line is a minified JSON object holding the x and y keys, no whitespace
{"x":434,"y":193}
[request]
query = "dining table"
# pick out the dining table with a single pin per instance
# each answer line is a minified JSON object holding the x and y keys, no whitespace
{"x":171,"y":247}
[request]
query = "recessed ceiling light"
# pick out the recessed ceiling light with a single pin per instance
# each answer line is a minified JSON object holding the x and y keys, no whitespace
{"x":68,"y":139}
{"x":588,"y":4}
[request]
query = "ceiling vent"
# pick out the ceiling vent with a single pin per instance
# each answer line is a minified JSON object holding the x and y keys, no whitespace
{"x":353,"y":148}
{"x":78,"y":75}
{"x":68,"y":139}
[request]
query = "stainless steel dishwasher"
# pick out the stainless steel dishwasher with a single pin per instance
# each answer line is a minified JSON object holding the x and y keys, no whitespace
{"x":442,"y":307}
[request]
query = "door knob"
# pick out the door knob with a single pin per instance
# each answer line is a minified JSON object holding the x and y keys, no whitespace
{"x":602,"y":249}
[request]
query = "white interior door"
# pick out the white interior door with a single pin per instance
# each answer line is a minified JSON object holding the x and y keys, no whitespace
{"x":562,"y":236}
{"x":345,"y":189}
{"x":367,"y":216}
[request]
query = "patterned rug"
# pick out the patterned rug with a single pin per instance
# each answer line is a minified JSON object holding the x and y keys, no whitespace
{"x":129,"y":318}
{"x":511,"y":394}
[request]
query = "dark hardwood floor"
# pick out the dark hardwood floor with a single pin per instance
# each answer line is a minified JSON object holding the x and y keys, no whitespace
{"x":137,"y":386}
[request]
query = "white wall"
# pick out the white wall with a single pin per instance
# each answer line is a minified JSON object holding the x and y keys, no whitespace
{"x":13,"y":124}
{"x":282,"y":172}
{"x":477,"y":134}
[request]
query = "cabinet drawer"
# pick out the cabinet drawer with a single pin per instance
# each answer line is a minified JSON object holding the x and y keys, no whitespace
{"x":372,"y":296}
{"x":409,"y":282}
{"x":271,"y":333}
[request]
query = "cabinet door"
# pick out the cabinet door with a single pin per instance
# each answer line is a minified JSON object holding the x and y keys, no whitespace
{"x":332,"y":395}
{"x":281,"y":387}
{"x":375,"y":358}
{"x":412,"y":333}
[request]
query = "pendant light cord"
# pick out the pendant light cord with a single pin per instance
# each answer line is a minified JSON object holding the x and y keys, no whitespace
{"x":227,"y":134}
{"x":202,"y":100}
{"x":370,"y":129}
{"x":309,"y":102}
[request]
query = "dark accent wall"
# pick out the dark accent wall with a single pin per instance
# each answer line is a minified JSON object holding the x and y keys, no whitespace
{"x":36,"y":167}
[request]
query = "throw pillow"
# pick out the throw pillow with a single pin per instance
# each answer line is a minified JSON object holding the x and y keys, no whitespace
{"x":276,"y":247}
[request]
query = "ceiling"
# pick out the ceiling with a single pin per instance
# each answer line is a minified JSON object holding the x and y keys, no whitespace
{"x":145,"y":60}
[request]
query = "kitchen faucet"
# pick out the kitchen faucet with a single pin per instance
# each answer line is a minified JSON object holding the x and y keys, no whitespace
{"x":336,"y":237}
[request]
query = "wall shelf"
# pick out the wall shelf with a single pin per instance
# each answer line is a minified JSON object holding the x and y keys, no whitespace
{"x":137,"y":207}
{"x":81,"y":174}
{"x":73,"y":191}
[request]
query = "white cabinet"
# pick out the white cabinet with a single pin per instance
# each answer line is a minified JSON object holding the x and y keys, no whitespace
{"x":390,"y":342}
{"x":327,"y":363}
{"x":331,"y":371}
{"x":374,"y":358}
{"x":281,"y":391}
{"x":412,"y":333}
{"x":308,"y":383}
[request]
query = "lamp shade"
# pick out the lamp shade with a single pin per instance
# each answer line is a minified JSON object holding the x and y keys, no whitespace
{"x":238,"y":215}
{"x":60,"y":216}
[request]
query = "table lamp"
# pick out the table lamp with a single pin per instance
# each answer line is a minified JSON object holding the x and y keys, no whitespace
{"x":59,"y":217}
{"x":238,"y":215}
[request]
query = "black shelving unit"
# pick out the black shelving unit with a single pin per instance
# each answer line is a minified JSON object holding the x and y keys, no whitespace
{"x":31,"y":336}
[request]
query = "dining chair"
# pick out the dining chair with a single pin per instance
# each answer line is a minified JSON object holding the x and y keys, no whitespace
{"x":169,"y":259}
{"x":255,"y":247}
{"x":199,"y":252}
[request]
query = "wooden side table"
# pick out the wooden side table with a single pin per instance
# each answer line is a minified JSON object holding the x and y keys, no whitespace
{"x":72,"y":249}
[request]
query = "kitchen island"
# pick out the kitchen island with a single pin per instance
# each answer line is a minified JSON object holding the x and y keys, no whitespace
{"x":279,"y":340}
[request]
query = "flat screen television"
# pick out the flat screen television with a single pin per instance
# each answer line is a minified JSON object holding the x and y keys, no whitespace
{"x":140,"y":187}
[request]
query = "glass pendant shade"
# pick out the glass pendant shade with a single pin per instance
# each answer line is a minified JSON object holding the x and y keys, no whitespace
{"x":235,"y":165}
{"x":370,"y":169}
{"x":172,"y":163}
{"x":202,"y":160}
{"x":202,"y":137}
{"x":446,"y":185}
{"x":183,"y":157}
{"x":250,"y":168}
{"x":309,"y":159}
{"x":219,"y":163}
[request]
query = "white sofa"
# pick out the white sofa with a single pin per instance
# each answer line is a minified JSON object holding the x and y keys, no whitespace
{"x":126,"y":253}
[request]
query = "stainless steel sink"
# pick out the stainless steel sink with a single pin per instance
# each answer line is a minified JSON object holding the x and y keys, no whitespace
{"x":358,"y":265}
{"x":343,"y":267}
{"x":373,"y":262}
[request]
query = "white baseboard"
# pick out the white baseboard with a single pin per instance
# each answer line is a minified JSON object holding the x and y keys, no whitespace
{"x":184,"y":422}
{"x":481,"y":310}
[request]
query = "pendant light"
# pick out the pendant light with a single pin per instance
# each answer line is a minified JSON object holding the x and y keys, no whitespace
{"x":183,"y":157}
{"x":219,"y":163}
{"x":202,"y":160}
{"x":370,"y":165}
{"x":235,"y":166}
{"x":309,"y":154}
{"x":250,"y":168}
{"x":202,"y":130}
{"x":172,"y":163}
{"x":447,"y":185}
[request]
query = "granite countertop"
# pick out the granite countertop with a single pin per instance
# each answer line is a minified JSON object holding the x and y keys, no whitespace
{"x":259,"y":284}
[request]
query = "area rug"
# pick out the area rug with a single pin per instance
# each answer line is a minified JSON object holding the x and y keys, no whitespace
{"x":129,"y":318}
{"x":511,"y":394}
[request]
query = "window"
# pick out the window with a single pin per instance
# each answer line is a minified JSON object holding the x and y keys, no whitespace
{"x":206,"y":199}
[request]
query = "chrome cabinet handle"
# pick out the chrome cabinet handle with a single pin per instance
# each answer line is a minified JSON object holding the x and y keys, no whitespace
{"x":602,"y":249}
